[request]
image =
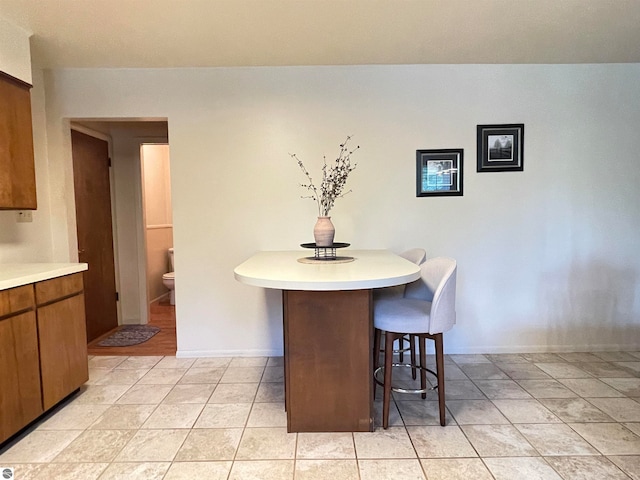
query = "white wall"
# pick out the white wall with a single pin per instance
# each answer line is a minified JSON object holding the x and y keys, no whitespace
{"x":129,"y":231}
{"x":15,"y":52}
{"x":547,"y":257}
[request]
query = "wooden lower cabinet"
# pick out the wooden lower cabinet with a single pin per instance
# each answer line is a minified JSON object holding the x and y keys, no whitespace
{"x":43,"y":349}
{"x":20,"y":396}
{"x":63,"y":348}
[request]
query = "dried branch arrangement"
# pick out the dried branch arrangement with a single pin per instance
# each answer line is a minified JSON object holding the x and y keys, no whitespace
{"x":334,"y":178}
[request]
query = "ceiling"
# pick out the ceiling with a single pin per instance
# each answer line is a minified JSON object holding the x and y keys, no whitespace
{"x":199,"y":33}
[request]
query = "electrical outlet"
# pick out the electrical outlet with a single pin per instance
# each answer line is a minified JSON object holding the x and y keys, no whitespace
{"x":25,"y":216}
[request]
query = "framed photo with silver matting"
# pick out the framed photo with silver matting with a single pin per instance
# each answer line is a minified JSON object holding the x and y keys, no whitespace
{"x":500,"y":148}
{"x":439,"y":172}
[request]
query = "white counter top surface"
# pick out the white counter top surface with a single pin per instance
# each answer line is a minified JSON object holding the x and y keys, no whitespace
{"x":370,"y":269}
{"x":17,"y":274}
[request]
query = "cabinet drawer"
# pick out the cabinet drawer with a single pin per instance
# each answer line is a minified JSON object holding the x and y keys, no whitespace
{"x":60,"y":287}
{"x":16,"y":299}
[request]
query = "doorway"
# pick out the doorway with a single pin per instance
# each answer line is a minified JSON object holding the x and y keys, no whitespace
{"x":124,"y":139}
{"x":157,"y":218}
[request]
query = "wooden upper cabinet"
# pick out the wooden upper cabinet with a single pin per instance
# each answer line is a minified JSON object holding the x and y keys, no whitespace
{"x":17,"y":172}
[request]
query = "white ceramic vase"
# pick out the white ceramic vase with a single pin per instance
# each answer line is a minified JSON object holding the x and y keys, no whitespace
{"x":323,"y":232}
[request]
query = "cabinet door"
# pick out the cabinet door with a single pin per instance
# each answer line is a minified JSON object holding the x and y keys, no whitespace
{"x":20,"y":399}
{"x":17,"y":180}
{"x":63,"y":348}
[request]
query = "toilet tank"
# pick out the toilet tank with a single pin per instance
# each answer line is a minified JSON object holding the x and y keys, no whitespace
{"x":171,"y":259}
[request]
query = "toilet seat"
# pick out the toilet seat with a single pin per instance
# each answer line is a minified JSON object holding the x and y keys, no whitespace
{"x":169,"y":276}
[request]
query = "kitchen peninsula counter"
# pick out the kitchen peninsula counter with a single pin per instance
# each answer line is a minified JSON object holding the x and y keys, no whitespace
{"x":328,"y":331}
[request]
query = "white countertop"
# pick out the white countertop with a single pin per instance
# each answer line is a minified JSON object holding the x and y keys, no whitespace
{"x":17,"y":274}
{"x":370,"y":269}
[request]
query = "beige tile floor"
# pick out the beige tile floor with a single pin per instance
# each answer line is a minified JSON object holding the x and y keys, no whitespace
{"x":529,"y":416}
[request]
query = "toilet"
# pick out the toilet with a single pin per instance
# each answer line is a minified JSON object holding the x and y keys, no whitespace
{"x":169,"y":280}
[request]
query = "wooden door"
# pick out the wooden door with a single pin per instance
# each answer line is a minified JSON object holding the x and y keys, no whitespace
{"x":95,"y":235}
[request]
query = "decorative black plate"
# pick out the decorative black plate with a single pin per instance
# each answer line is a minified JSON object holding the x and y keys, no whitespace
{"x":335,"y":245}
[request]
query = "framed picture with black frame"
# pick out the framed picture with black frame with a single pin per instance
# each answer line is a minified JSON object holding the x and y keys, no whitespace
{"x":439,"y":172}
{"x":500,"y":148}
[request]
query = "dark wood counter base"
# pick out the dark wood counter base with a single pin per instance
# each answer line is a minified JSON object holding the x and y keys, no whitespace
{"x":328,"y":360}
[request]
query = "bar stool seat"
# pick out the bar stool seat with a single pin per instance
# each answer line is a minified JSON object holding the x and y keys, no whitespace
{"x":426,"y":311}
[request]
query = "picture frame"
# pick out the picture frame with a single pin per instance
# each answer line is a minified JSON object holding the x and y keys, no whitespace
{"x":439,"y":173}
{"x":500,"y":148}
